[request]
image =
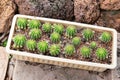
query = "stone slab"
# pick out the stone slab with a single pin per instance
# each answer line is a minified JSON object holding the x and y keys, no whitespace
{"x":118,"y":43}
{"x":3,"y":63}
{"x":116,"y":71}
{"x":36,"y":71}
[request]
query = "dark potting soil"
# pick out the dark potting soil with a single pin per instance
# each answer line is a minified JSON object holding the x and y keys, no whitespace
{"x":65,"y":40}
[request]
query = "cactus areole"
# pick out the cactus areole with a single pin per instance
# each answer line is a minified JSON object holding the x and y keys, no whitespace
{"x":62,"y":40}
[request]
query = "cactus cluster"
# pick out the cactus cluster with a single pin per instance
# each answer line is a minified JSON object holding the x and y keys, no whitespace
{"x":42,"y":46}
{"x":85,"y":44}
{"x":87,"y":34}
{"x":19,"y":40}
{"x":47,"y":27}
{"x":93,"y":45}
{"x":101,"y":53}
{"x":22,"y":23}
{"x":4,"y":43}
{"x":105,"y":37}
{"x":55,"y":37}
{"x":58,"y":28}
{"x":85,"y":51}
{"x":35,"y":33}
{"x":71,"y":31}
{"x":54,"y":50}
{"x":34,"y":24}
{"x":69,"y":49}
{"x":76,"y":41}
{"x":31,"y":45}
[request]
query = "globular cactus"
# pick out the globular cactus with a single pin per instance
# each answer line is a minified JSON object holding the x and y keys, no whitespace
{"x":69,"y":49}
{"x":19,"y":40}
{"x":46,"y":27}
{"x":71,"y":31}
{"x":88,"y":34}
{"x":76,"y":41}
{"x":31,"y":45}
{"x":55,"y":37}
{"x":58,"y":28}
{"x":22,"y":23}
{"x":101,"y":53}
{"x":4,"y":43}
{"x":34,"y":24}
{"x":85,"y":51}
{"x":105,"y":37}
{"x":93,"y":45}
{"x":54,"y":50}
{"x":35,"y":33}
{"x":42,"y":46}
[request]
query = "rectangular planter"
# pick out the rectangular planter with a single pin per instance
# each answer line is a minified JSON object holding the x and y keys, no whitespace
{"x":62,"y":61}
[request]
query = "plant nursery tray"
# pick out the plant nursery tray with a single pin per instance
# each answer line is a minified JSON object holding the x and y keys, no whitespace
{"x":81,"y":63}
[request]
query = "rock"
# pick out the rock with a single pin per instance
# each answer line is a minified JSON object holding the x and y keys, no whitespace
{"x":118,"y":44}
{"x":32,"y":71}
{"x":7,"y":10}
{"x":59,"y":9}
{"x":109,"y":19}
{"x":86,"y":11}
{"x":3,"y":63}
{"x":110,"y":4}
{"x":116,"y":71}
{"x":36,"y":72}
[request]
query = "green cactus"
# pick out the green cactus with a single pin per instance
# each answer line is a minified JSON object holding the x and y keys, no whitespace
{"x":31,"y":45}
{"x":105,"y":37}
{"x":4,"y":43}
{"x":71,"y":31}
{"x":34,"y":24}
{"x":21,"y":23}
{"x":35,"y":33}
{"x":76,"y":41}
{"x":46,"y":27}
{"x":42,"y":46}
{"x":101,"y":53}
{"x":55,"y":37}
{"x":88,"y":34}
{"x":58,"y":28}
{"x":93,"y":45}
{"x":85,"y":51}
{"x":19,"y":40}
{"x":69,"y":49}
{"x":54,"y":50}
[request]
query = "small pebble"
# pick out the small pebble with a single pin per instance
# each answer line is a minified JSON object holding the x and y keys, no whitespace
{"x":83,"y":40}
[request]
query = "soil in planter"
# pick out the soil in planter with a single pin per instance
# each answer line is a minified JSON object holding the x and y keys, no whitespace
{"x":65,"y":40}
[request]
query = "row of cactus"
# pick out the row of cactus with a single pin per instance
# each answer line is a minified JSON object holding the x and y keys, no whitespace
{"x":55,"y":36}
{"x":88,"y":34}
{"x":101,"y":53}
{"x":22,"y":23}
{"x":19,"y":41}
{"x":71,"y":31}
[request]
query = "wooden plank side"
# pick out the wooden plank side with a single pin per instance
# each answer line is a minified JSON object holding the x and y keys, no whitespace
{"x":3,"y":63}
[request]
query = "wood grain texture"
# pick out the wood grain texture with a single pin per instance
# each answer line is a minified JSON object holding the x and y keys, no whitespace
{"x":3,"y":63}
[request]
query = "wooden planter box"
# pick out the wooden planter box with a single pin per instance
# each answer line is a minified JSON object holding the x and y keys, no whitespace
{"x":62,"y":61}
